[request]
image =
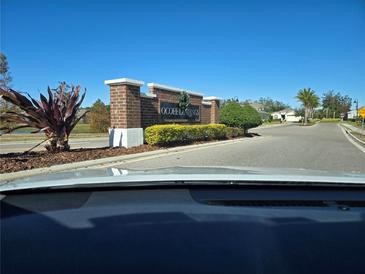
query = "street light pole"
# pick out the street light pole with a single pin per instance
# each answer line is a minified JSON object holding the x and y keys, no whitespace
{"x":356,"y":101}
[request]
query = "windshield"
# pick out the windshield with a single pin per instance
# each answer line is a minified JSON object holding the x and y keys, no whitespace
{"x":163,"y":87}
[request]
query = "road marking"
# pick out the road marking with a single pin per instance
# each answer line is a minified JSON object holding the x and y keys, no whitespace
{"x":352,"y":141}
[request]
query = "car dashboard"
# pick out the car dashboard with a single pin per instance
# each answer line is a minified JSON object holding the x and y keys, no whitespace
{"x":184,"y":229}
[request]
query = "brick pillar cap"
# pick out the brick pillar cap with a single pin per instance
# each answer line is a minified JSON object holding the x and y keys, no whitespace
{"x":125,"y":81}
{"x":178,"y":90}
{"x":211,"y":98}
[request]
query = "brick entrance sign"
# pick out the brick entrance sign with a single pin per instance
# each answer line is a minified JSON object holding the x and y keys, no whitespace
{"x":131,"y":110}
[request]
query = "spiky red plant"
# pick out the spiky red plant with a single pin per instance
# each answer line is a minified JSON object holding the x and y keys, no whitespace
{"x":56,"y":115}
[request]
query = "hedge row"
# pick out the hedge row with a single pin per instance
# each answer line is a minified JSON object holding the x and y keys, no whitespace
{"x":232,"y":132}
{"x":170,"y":134}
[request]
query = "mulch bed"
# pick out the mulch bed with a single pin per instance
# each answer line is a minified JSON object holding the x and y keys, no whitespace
{"x":12,"y":162}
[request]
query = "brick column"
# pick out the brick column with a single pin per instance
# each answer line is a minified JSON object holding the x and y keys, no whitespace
{"x":125,"y":112}
{"x":214,"y":114}
{"x":214,"y":110}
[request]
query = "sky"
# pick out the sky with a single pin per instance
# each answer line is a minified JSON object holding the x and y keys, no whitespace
{"x":243,"y":49}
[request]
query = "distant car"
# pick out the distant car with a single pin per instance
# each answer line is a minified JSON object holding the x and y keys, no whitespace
{"x":184,"y":221}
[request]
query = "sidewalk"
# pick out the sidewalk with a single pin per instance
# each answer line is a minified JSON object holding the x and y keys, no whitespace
{"x":355,"y":129}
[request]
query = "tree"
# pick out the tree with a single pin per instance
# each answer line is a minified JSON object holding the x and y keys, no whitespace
{"x":309,"y":99}
{"x":330,"y":103}
{"x":270,"y":105}
{"x":55,"y":115}
{"x":334,"y":104}
{"x":345,"y":105}
{"x":5,"y":77}
{"x":99,"y":117}
{"x":5,"y":80}
{"x":233,"y":114}
{"x":314,"y":103}
{"x":184,"y":101}
{"x":299,"y":111}
{"x":226,"y":101}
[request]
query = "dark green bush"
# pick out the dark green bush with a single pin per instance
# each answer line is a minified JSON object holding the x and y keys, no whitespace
{"x":251,"y":118}
{"x":233,"y":114}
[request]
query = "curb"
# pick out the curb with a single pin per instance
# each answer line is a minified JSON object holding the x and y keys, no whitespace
{"x":104,"y":162}
{"x":352,"y":128}
{"x":348,"y":131}
{"x":353,"y":139}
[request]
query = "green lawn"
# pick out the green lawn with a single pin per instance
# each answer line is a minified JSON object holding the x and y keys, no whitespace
{"x":355,"y":124}
{"x":82,"y":128}
{"x":80,"y":131}
{"x":330,"y":120}
{"x":79,"y":128}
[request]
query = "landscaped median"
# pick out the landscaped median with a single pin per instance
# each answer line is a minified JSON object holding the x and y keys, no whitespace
{"x":157,"y":137}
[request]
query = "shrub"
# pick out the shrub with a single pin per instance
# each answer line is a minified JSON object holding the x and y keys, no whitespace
{"x":170,"y":134}
{"x":233,"y":114}
{"x":251,"y":118}
{"x":233,"y":132}
{"x":56,"y":115}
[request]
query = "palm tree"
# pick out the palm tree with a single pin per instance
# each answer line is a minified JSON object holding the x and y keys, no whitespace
{"x":314,"y":104}
{"x":309,"y":99}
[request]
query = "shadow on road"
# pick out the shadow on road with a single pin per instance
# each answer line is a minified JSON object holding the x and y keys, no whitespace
{"x":252,"y":134}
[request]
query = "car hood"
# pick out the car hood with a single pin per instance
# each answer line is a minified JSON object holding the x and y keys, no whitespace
{"x":121,"y":177}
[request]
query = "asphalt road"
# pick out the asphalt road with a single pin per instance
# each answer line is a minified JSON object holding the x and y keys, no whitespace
{"x":318,"y":147}
{"x":21,"y":146}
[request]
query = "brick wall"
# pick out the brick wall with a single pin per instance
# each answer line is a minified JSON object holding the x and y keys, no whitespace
{"x":165,"y":95}
{"x":173,"y":97}
{"x":128,"y":109}
{"x":149,"y":111}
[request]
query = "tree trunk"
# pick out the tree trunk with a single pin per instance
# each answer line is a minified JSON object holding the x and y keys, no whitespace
{"x":64,"y":146}
{"x":245,"y":131}
{"x":59,"y":143}
{"x":52,"y":145}
{"x":305,"y":116}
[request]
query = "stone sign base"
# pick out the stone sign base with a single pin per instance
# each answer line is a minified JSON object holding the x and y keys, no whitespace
{"x":125,"y":137}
